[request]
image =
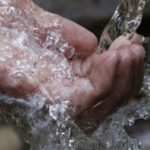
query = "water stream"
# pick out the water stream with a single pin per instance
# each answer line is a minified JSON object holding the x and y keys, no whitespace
{"x":50,"y":127}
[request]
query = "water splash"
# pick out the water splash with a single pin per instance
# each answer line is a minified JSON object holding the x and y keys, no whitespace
{"x":113,"y":127}
{"x":45,"y":126}
{"x":125,"y":21}
{"x":33,"y":57}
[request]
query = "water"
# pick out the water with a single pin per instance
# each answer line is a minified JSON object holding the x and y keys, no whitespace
{"x":44,"y":120}
{"x":32,"y":58}
{"x":125,"y":21}
{"x":140,"y":131}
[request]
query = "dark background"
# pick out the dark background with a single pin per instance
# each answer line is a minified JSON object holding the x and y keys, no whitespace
{"x":92,"y":14}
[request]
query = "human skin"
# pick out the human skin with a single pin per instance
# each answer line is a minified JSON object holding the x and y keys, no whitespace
{"x":115,"y":74}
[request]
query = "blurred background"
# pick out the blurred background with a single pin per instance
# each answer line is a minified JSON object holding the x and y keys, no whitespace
{"x":92,"y":14}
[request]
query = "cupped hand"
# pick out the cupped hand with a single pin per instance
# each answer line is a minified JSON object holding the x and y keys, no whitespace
{"x":47,"y":55}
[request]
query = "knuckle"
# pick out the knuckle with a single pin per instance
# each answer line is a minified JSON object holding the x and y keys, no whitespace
{"x":127,"y":56}
{"x":114,"y":55}
{"x":138,"y":50}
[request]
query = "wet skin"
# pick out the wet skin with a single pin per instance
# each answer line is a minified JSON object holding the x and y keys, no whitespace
{"x":115,"y":74}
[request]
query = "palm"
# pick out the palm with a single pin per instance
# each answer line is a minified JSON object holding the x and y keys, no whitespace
{"x":44,"y":54}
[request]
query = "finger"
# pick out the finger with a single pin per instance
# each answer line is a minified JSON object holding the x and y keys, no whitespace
{"x":101,"y":77}
{"x":81,"y":39}
{"x":77,"y":36}
{"x":103,"y":72}
{"x":138,"y":54}
{"x":123,"y":82}
{"x":120,"y":92}
{"x":124,"y":74}
{"x":122,"y":41}
{"x":137,"y":39}
{"x":119,"y":43}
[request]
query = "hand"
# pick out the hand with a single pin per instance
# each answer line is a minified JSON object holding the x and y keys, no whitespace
{"x":46,"y":55}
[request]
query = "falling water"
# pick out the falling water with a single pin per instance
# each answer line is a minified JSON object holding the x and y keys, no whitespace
{"x":125,"y":21}
{"x":51,"y":127}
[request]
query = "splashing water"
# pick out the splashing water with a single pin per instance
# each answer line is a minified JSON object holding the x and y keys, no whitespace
{"x":28,"y":44}
{"x":125,"y":21}
{"x":50,"y":127}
